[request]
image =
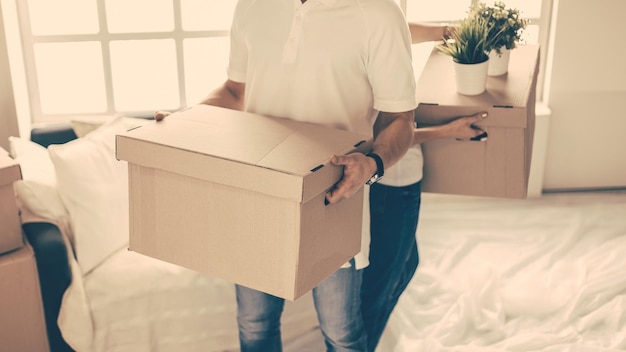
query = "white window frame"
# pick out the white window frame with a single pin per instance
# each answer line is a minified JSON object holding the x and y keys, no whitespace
{"x":28,"y":42}
{"x":104,"y":37}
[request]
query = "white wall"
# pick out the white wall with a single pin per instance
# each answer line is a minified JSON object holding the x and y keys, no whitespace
{"x":587,"y":134}
{"x":587,"y":137}
{"x":8,"y":118}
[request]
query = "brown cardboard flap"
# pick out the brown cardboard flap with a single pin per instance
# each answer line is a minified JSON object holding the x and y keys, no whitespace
{"x":268,"y":155}
{"x":433,"y":115}
{"x":9,"y":169}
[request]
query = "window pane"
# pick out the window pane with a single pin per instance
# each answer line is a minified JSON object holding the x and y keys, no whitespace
{"x":70,"y":77}
{"x":144,"y":75}
{"x":201,"y":15}
{"x":530,"y":35}
{"x":421,"y":52}
{"x":436,"y":11}
{"x":206,"y":60}
{"x":53,"y":18}
{"x":528,"y":8}
{"x":134,"y":16}
{"x":452,"y":10}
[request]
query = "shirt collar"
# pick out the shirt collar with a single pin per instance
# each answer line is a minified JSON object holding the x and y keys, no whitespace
{"x":325,"y":2}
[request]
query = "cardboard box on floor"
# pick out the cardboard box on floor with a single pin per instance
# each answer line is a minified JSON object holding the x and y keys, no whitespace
{"x":10,"y":228}
{"x":241,"y":197}
{"x":22,"y":324}
{"x":500,"y":166}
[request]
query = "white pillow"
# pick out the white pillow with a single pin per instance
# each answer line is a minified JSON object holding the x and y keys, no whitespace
{"x":85,"y":125}
{"x":37,"y":191}
{"x":93,"y":185}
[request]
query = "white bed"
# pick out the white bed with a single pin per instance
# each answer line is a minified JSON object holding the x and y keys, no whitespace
{"x":544,"y":274}
{"x":541,"y":275}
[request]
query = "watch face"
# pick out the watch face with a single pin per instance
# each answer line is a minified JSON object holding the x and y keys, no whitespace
{"x":375,"y":178}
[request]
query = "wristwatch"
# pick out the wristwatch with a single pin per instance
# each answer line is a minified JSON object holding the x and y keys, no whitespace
{"x":380,"y":169}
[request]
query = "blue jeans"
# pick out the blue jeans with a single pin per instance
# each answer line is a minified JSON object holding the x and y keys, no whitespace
{"x":338,"y":305}
{"x":394,"y":213}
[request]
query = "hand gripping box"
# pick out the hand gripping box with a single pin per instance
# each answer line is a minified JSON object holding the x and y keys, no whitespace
{"x":10,"y":225}
{"x":240,"y":196}
{"x":500,"y":166}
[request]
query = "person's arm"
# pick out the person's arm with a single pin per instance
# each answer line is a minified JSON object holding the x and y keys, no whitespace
{"x":460,"y":128}
{"x":428,"y":32}
{"x":228,"y":95}
{"x":393,"y":135}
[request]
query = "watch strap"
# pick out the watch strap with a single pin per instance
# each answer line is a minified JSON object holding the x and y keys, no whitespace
{"x":380,"y":168}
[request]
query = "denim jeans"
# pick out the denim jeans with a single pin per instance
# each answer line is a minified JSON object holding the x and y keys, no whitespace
{"x":394,"y":213}
{"x":338,"y":305}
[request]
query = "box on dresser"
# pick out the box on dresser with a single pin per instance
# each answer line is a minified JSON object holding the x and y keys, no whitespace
{"x":499,"y":166}
{"x":11,"y":228}
{"x":241,"y":197}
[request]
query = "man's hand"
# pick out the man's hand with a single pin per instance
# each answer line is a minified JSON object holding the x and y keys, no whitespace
{"x":464,"y":128}
{"x":228,"y":95}
{"x":392,"y":138}
{"x":357,"y":169}
{"x":160,"y":115}
{"x":461,"y":128}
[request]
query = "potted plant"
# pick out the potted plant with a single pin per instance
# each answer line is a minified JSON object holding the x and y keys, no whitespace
{"x":469,"y":45}
{"x":506,"y":28}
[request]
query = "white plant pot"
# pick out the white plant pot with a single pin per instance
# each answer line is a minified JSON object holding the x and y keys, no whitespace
{"x":499,"y":63}
{"x":471,"y":79}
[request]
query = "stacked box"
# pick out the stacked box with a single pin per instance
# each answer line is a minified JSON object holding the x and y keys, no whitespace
{"x":241,"y":197}
{"x":22,"y":323}
{"x":11,"y":228}
{"x":500,"y":166}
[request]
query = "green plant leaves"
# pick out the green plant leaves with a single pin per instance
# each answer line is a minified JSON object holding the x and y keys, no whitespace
{"x":470,"y":43}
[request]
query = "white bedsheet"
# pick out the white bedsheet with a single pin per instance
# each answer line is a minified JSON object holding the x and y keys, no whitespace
{"x":545,"y":274}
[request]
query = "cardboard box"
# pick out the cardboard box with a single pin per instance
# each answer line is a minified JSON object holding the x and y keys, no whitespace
{"x":22,"y":324}
{"x":11,"y":228}
{"x":500,"y":166}
{"x":241,"y":196}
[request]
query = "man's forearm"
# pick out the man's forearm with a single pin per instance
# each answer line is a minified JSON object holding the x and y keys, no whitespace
{"x":228,"y":95}
{"x":426,"y":32}
{"x":425,"y":134}
{"x":393,"y":136}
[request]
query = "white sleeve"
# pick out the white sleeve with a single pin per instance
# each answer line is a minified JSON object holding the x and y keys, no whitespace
{"x":390,"y":67}
{"x":238,"y":59}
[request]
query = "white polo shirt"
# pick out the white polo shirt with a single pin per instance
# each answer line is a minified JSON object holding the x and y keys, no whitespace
{"x":332,"y":62}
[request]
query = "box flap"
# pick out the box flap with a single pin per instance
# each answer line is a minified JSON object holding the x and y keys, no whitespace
{"x":9,"y":169}
{"x":269,"y":155}
{"x":436,"y":86}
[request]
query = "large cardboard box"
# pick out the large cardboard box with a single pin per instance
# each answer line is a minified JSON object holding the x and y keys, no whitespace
{"x":500,"y":166}
{"x":10,"y":228}
{"x":241,"y":197}
{"x":22,"y":324}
